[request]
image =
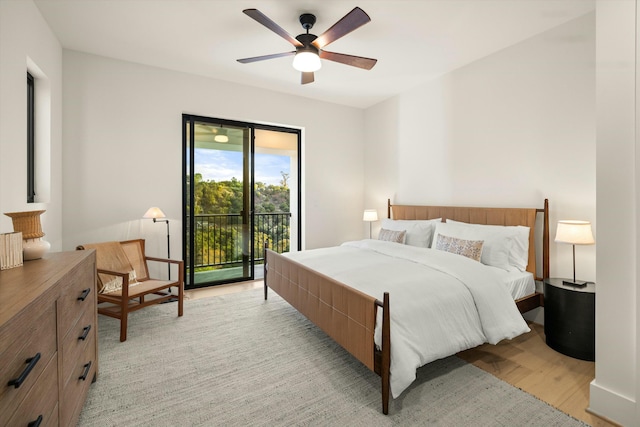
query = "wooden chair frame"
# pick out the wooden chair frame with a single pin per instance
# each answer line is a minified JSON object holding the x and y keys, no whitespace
{"x":132,"y":298}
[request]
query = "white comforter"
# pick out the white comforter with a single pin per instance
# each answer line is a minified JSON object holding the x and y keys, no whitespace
{"x":440,"y":303}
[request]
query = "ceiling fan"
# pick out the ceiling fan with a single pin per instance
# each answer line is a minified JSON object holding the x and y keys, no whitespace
{"x":309,"y":47}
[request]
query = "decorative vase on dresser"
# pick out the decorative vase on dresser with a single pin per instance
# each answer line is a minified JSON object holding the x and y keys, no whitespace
{"x":48,"y":339}
{"x":28,"y":223}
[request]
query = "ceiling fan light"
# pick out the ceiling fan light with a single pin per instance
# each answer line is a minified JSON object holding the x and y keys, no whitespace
{"x":221,"y":135}
{"x":306,"y":61}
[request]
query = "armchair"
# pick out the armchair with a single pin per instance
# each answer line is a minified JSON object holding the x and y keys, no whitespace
{"x":124,"y":284}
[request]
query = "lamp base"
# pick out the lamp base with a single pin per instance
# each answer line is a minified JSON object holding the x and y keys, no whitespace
{"x":575,"y":284}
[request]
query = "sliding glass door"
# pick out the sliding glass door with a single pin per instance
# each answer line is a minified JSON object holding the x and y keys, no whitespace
{"x":241,"y":189}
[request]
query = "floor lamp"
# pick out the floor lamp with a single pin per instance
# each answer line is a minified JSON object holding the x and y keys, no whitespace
{"x":158,"y":216}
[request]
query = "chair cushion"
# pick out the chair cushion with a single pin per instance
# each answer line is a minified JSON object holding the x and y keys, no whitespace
{"x":111,"y":256}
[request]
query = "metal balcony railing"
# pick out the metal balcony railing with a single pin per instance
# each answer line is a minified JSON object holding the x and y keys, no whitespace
{"x":220,"y":240}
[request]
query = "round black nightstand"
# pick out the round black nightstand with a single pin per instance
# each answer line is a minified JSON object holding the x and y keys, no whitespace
{"x":569,"y":318}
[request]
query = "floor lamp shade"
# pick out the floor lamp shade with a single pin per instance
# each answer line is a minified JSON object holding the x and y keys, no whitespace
{"x":575,"y":233}
{"x":154,"y":213}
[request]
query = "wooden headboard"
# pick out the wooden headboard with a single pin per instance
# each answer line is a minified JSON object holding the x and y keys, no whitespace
{"x":490,"y":216}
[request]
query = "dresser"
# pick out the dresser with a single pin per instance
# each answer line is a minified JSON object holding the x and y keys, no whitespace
{"x":48,"y":339}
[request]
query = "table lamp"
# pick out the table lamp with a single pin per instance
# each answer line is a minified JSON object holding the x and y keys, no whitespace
{"x":576,"y":233}
{"x":370,"y":215}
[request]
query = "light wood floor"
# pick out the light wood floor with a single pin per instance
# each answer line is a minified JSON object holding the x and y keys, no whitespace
{"x":528,"y":363}
{"x":525,"y":362}
{"x":222,"y":289}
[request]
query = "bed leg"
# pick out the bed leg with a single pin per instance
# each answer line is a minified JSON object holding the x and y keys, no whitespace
{"x":386,"y":353}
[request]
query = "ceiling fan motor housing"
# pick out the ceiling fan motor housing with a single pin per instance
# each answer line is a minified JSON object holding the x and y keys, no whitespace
{"x":306,"y":40}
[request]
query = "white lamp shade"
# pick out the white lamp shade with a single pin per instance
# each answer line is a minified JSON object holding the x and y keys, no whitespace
{"x":574,"y":232}
{"x":154,"y":212}
{"x":370,"y":215}
{"x":306,"y":62}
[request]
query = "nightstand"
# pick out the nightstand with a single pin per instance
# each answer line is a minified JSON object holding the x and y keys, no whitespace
{"x":569,"y":318}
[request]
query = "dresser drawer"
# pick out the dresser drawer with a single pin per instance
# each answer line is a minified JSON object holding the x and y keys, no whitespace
{"x":80,"y":337}
{"x":77,"y":296}
{"x":41,"y":401}
{"x":34,"y":341}
{"x":75,"y":391}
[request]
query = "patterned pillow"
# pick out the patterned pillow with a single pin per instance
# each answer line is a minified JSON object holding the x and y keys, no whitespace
{"x":392,"y":235}
{"x":419,"y":232}
{"x":469,"y":248}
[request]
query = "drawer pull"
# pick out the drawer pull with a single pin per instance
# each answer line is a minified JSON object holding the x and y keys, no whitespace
{"x":87,"y":367}
{"x":31,"y":362}
{"x":85,"y":332}
{"x":35,"y":423}
{"x":84,"y":294}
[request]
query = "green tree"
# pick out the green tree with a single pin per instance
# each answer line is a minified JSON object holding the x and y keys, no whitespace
{"x":218,"y":224}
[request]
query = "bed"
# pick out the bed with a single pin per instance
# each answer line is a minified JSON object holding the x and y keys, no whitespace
{"x":364,"y":294}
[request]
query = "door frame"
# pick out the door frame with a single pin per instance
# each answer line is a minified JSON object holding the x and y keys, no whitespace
{"x":188,"y":222}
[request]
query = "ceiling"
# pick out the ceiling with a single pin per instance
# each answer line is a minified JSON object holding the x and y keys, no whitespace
{"x":413,"y":40}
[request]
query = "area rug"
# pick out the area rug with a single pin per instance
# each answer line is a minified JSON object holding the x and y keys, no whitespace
{"x":237,"y":360}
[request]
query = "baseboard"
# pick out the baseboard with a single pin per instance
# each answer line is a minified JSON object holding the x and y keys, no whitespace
{"x":612,"y":406}
{"x":603,"y":418}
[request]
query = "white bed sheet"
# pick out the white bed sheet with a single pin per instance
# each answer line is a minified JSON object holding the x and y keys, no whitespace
{"x":519,"y":283}
{"x":441,"y":303}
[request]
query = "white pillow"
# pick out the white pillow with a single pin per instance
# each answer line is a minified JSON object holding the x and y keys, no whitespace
{"x":496,"y":246}
{"x":419,"y":232}
{"x":519,"y":252}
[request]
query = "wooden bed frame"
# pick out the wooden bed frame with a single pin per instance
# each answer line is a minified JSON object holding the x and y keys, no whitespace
{"x":348,"y":315}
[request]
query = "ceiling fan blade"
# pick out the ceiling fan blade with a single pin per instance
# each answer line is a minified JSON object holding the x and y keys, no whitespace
{"x":351,"y":21}
{"x":354,"y":61}
{"x":264,"y":20}
{"x":264,"y":57}
{"x":307,"y":77}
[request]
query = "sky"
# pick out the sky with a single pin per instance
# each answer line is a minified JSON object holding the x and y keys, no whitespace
{"x":223,"y":165}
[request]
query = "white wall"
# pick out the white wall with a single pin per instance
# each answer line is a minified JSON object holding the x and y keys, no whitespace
{"x":381,"y":158}
{"x":511,"y":129}
{"x":27,"y":43}
{"x":614,"y":391}
{"x":123,"y":149}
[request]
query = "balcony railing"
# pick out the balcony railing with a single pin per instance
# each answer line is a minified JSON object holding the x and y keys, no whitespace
{"x":220,"y":240}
